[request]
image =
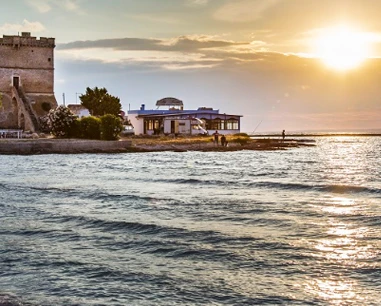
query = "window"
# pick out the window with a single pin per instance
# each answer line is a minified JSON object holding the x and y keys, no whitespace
{"x":232,"y":124}
{"x":152,"y":124}
{"x":216,"y":124}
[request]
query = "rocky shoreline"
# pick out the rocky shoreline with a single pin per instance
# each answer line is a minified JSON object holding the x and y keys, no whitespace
{"x":79,"y":146}
{"x":255,"y":145}
{"x":61,"y":146}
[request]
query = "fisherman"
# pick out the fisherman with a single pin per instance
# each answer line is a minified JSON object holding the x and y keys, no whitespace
{"x":283,"y":134}
{"x":223,"y":140}
{"x":215,"y":134}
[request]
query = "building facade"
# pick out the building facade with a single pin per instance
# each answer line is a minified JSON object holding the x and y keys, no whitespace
{"x":79,"y":110}
{"x":177,"y":120}
{"x":26,"y":80}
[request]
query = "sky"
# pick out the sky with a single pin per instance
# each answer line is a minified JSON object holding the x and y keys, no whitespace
{"x":298,"y":65}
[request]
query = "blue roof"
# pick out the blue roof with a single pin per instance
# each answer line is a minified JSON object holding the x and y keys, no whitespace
{"x":172,"y":112}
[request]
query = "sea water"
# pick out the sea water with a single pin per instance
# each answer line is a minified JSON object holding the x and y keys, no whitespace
{"x":294,"y":227}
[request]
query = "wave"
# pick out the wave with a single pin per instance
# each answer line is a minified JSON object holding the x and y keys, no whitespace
{"x":105,"y":196}
{"x":7,"y":299}
{"x":334,"y":188}
{"x":193,"y":181}
{"x":349,"y":189}
{"x":113,"y":225}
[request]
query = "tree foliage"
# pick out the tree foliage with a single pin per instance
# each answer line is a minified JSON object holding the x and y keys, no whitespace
{"x":99,"y":102}
{"x":111,"y":127}
{"x":90,"y":127}
{"x":61,"y":121}
{"x":44,"y":123}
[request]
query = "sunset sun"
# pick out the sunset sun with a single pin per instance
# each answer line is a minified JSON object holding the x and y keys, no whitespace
{"x":342,"y":48}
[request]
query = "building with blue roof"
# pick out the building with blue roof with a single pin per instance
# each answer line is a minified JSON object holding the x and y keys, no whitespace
{"x":170,"y":117}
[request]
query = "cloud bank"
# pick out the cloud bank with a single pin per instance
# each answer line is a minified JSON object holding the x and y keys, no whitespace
{"x":25,"y":26}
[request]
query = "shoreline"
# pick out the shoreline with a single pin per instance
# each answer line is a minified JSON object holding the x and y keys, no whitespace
{"x":137,"y":145}
{"x":344,"y":134}
{"x":60,"y":146}
{"x":232,"y":147}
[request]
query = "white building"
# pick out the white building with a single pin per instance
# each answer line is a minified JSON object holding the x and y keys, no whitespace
{"x":176,"y":120}
{"x":79,"y":110}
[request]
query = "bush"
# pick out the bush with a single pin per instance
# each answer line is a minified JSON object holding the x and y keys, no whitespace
{"x":44,"y":124}
{"x":61,"y":121}
{"x":75,"y":129}
{"x":242,"y":141}
{"x":241,"y":135}
{"x":90,"y":127}
{"x":111,"y":127}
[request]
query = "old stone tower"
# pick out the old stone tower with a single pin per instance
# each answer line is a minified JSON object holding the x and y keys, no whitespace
{"x":26,"y":80}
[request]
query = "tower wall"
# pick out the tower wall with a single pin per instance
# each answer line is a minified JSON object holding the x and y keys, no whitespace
{"x":30,"y":59}
{"x":26,"y":63}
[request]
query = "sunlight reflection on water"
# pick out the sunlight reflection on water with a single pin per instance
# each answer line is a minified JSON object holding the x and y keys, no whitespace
{"x":342,"y":245}
{"x":291,"y":227}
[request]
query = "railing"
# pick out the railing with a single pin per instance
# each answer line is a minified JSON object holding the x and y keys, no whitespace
{"x":9,"y":133}
{"x":28,"y":108}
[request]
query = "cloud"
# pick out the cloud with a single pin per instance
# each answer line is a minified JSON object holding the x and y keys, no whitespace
{"x":244,"y":10}
{"x":197,"y":2}
{"x":183,"y":52}
{"x":154,"y":18}
{"x":69,"y":5}
{"x":191,"y":43}
{"x":192,"y":52}
{"x":45,"y":6}
{"x":26,"y":26}
{"x":179,"y":53}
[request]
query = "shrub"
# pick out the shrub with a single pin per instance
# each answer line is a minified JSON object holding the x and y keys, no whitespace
{"x":111,"y":127}
{"x":90,"y":127}
{"x":44,"y":124}
{"x":241,"y":135}
{"x":75,"y":129}
{"x":61,"y":121}
{"x":241,"y":140}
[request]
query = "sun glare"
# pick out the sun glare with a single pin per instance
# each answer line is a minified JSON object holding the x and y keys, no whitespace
{"x":342,"y":48}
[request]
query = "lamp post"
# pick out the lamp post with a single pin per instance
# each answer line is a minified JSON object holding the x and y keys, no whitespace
{"x":76,"y":97}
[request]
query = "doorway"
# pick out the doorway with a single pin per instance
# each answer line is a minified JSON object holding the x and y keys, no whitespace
{"x":174,"y":127}
{"x":16,"y":82}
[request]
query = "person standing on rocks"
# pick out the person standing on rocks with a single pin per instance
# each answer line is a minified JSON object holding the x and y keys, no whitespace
{"x":215,"y":134}
{"x":223,"y":140}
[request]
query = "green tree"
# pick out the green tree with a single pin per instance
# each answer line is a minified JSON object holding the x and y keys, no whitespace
{"x":111,"y":127}
{"x":99,"y":102}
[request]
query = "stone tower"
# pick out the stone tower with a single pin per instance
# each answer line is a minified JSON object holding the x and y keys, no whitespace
{"x":26,"y":80}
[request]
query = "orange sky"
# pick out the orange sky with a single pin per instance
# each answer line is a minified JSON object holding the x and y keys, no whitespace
{"x":290,"y":64}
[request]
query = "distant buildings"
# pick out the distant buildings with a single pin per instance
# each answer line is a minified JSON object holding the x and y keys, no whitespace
{"x":176,"y":120}
{"x":26,"y":80}
{"x":79,"y":110}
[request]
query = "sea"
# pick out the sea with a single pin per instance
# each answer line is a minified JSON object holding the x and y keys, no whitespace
{"x":290,"y":227}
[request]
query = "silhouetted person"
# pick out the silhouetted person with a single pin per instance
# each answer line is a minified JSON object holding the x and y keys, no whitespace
{"x":283,"y":134}
{"x":215,"y":134}
{"x":223,"y":140}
